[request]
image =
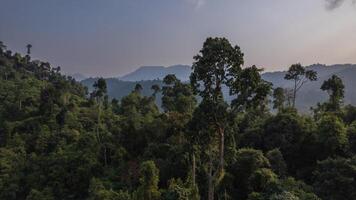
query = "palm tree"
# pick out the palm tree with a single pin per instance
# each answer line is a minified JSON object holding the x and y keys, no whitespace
{"x":29,"y":46}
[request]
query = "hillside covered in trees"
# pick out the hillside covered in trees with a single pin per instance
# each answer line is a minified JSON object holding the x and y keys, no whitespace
{"x":59,"y":141}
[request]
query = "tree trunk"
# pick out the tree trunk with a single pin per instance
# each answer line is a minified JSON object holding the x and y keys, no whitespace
{"x":210,"y":180}
{"x":193,"y":168}
{"x":294,"y":93}
{"x":65,"y":99}
{"x":213,"y":177}
{"x":98,"y":122}
{"x":221,"y":149}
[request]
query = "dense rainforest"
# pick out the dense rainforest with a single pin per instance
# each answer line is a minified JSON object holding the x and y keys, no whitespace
{"x":58,"y":141}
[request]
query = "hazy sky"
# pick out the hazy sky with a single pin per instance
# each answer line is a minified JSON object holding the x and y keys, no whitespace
{"x":113,"y":37}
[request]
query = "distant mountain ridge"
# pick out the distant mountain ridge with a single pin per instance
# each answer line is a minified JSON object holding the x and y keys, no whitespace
{"x":324,"y":72}
{"x":78,"y":77}
{"x":143,"y":73}
{"x":309,"y":95}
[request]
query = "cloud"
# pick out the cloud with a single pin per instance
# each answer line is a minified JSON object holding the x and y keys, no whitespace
{"x":196,"y":3}
{"x":333,"y":4}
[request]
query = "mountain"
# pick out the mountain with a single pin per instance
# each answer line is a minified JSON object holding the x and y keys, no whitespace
{"x":117,"y":88}
{"x":77,"y":76}
{"x":158,"y":72}
{"x":309,"y":95}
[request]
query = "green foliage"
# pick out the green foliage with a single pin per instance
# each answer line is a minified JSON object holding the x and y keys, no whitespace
{"x":277,"y":162}
{"x":100,"y":88}
{"x":177,"y":96}
{"x":97,"y":191}
{"x":139,"y":114}
{"x":249,"y":172}
{"x":284,"y":196}
{"x":335,"y":88}
{"x":177,"y":190}
{"x":12,"y":163}
{"x":331,"y":136}
{"x":299,"y":75}
{"x":351,"y":136}
{"x":349,"y":114}
{"x":155,"y":89}
{"x":285,"y":189}
{"x":261,"y":179}
{"x":278,"y":98}
{"x":58,"y":142}
{"x":148,"y":188}
{"x":138,"y":88}
{"x":217,"y":64}
{"x":335,"y":178}
{"x":250,"y":89}
{"x":293,"y":135}
{"x":39,"y":195}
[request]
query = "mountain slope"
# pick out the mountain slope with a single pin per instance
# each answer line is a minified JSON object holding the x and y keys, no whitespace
{"x":158,"y":72}
{"x":309,"y":95}
{"x":118,"y":88}
{"x":77,"y":76}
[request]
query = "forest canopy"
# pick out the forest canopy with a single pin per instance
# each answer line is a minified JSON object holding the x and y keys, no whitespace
{"x":58,"y":141}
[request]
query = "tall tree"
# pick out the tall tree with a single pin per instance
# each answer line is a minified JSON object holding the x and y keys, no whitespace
{"x":99,"y":94}
{"x":156,"y":89}
{"x":100,"y":88}
{"x":335,"y":88}
{"x":177,"y":96}
{"x":278,"y":98}
{"x":29,"y":46}
{"x":299,"y":75}
{"x":138,"y":88}
{"x":249,"y":89}
{"x":217,"y":64}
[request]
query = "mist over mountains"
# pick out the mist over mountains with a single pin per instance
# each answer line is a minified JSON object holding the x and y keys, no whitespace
{"x":309,"y":95}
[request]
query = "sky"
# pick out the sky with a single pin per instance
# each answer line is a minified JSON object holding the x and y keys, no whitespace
{"x":113,"y":37}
